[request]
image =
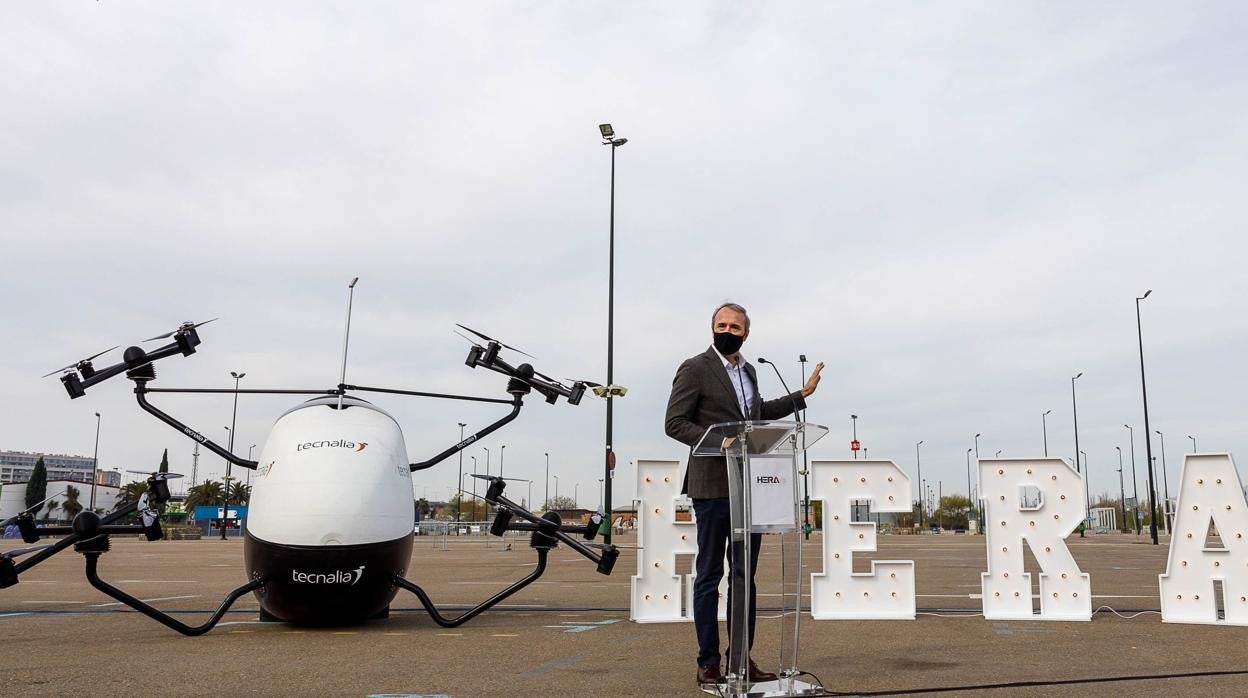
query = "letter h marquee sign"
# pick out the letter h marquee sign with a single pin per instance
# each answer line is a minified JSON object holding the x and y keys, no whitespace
{"x":1211,"y":495}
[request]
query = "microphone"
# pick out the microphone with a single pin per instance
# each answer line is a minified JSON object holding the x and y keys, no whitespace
{"x":761,"y":360}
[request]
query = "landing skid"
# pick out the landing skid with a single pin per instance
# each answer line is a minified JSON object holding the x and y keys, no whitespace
{"x":94,"y":547}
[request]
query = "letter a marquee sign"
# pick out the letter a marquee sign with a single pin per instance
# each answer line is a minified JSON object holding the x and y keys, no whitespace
{"x":1211,"y":496}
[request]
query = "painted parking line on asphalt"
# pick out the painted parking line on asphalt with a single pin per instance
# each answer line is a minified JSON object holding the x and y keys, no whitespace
{"x":159,"y":598}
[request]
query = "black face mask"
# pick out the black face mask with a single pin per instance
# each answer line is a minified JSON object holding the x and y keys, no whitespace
{"x":728,"y":343}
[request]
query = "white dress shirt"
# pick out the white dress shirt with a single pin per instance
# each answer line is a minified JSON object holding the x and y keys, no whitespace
{"x":741,"y":385}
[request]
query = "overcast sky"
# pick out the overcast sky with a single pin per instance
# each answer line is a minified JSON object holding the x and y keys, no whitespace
{"x":953,"y":205}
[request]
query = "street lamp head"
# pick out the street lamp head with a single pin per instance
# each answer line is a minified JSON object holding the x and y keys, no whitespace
{"x":1145,"y":295}
{"x":1077,"y":375}
{"x":1119,"y":448}
{"x":978,"y":435}
{"x":853,"y":416}
{"x":1127,"y":426}
{"x":1158,"y":432}
{"x":237,"y":376}
{"x":97,"y":414}
{"x":920,"y":443}
{"x":617,"y":142}
{"x":969,"y":450}
{"x":461,"y":424}
{"x":1048,"y":412}
{"x":606,"y":130}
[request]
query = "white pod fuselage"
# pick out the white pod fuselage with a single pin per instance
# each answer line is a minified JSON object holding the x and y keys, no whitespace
{"x":331,"y":513}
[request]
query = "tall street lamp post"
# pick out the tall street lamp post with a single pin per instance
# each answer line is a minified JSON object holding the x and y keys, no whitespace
{"x":1165,"y":481}
{"x":1122,"y":492}
{"x":918,"y":463}
{"x":853,"y":420}
{"x":225,"y":480}
{"x":225,"y":512}
{"x":609,"y":138}
{"x":556,"y":487}
{"x":1087,"y":498}
{"x":502,"y":451}
{"x":459,"y":499}
{"x":474,"y":487}
{"x":95,"y":459}
{"x":1148,"y":439}
{"x":1044,"y":426}
{"x":1074,"y":408}
{"x":968,"y":479}
{"x":487,"y":460}
{"x":1135,"y":481}
{"x":1193,"y":438}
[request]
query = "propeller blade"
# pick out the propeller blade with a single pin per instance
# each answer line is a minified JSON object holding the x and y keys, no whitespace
{"x":491,"y":339}
{"x":158,"y":476}
{"x":96,"y":356}
{"x":469,"y":340}
{"x":181,"y":328}
{"x":495,"y":477}
{"x":18,"y":552}
{"x":78,"y":363}
{"x":59,"y":370}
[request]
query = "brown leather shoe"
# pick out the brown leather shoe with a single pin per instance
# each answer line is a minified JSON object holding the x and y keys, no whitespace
{"x":709,"y":673}
{"x":757,"y":674}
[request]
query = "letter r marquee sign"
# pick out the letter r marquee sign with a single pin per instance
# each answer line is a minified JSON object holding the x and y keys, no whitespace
{"x":1036,"y":502}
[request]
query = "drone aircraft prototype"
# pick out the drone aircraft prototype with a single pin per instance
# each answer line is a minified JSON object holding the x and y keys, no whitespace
{"x":329,"y":528}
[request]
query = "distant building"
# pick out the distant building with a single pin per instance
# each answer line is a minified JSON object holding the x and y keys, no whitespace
{"x":16,"y":466}
{"x":112,"y":478}
{"x":13,"y":498}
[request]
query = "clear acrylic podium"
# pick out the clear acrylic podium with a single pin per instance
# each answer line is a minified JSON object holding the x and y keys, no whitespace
{"x":763,"y":497}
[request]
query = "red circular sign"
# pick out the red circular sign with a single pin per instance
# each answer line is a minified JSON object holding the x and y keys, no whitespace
{"x":853,"y":445}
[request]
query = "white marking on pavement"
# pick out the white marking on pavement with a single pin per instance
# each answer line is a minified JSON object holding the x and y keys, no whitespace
{"x":159,"y":598}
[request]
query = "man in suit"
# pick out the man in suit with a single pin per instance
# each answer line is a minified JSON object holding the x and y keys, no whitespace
{"x":719,"y":385}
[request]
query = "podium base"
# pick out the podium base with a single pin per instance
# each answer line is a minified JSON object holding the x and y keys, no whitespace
{"x":779,"y":688}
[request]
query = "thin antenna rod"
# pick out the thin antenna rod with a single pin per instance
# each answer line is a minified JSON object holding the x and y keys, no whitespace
{"x":346,"y":338}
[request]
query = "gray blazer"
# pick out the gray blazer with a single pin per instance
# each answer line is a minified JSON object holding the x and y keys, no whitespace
{"x":702,"y":395}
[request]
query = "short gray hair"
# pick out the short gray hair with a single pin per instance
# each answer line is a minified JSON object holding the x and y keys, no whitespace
{"x":731,"y":306}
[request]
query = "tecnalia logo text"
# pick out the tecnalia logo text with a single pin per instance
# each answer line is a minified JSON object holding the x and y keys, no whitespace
{"x":349,"y":577}
{"x":336,"y":443}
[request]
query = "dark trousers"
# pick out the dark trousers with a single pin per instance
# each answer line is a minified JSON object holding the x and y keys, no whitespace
{"x":714,"y":527}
